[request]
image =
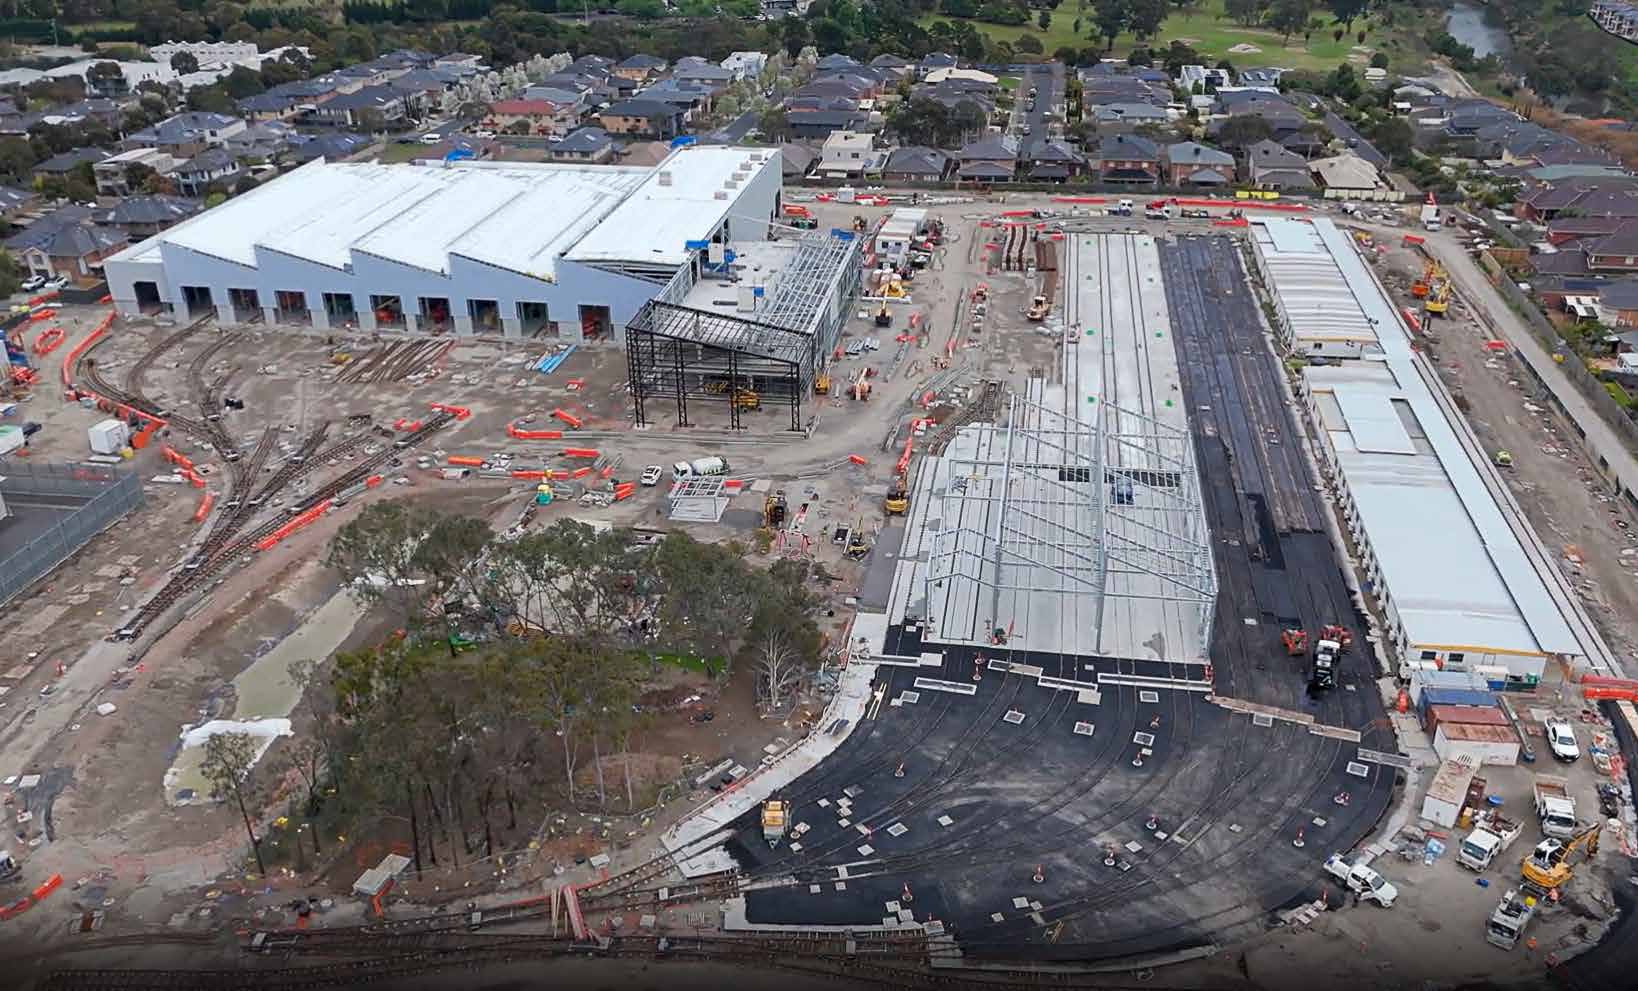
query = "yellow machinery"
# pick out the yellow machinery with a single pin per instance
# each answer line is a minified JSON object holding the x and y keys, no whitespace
{"x":1037,"y":310}
{"x":821,"y":384}
{"x":898,"y":497}
{"x":1439,"y":299}
{"x":857,"y":545}
{"x":743,"y":398}
{"x":1548,"y":866}
{"x":774,"y":818}
{"x":340,"y":358}
{"x":774,"y":510}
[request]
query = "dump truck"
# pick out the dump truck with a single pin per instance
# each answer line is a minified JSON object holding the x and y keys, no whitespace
{"x":1492,"y":834}
{"x":1555,"y":807}
{"x":699,"y":468}
{"x":1037,"y":310}
{"x":1507,"y":923}
{"x":1358,"y":878}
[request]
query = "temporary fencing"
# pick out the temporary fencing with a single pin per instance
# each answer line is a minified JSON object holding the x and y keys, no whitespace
{"x":569,"y":418}
{"x":465,"y":460}
{"x":48,"y":340}
{"x":204,"y":507}
{"x":518,"y":433}
{"x":296,"y":523}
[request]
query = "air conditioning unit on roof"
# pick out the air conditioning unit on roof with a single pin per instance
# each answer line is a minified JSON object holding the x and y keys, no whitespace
{"x":665,"y":177}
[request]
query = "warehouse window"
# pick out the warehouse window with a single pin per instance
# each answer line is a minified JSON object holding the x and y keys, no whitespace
{"x":1455,"y":658}
{"x":290,"y":306}
{"x":485,"y":314}
{"x":434,"y":315}
{"x":535,"y":320}
{"x":389,"y":312}
{"x":340,"y":309}
{"x":247,"y":306}
{"x":1430,"y":655}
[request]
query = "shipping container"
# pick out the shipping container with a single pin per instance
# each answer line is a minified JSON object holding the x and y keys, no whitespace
{"x":1486,"y":715}
{"x":1495,"y":745}
{"x":1424,"y":675}
{"x":1448,"y":791}
{"x":1455,"y":696}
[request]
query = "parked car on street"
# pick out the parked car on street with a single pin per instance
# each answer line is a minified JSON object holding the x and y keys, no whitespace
{"x":651,"y":475}
{"x":1561,"y":740}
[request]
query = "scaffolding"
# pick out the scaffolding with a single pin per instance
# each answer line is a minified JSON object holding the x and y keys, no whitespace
{"x":1022,"y":518}
{"x":772,"y":353}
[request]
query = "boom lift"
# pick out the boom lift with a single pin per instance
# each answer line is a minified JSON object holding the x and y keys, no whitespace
{"x":898,"y":497}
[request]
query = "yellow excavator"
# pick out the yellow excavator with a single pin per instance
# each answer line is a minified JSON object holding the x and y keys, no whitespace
{"x":1548,"y":866}
{"x":897,"y":502}
{"x":774,"y":510}
{"x":821,"y":384}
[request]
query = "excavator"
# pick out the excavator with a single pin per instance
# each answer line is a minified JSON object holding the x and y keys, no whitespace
{"x":898,"y":497}
{"x":743,"y":398}
{"x":821,"y":384}
{"x":857,"y":545}
{"x":1548,"y":866}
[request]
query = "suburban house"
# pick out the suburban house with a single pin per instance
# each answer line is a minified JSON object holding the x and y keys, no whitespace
{"x":816,"y":125}
{"x":900,"y":68}
{"x":934,"y":61}
{"x":1128,"y":158}
{"x":264,"y":141}
{"x":61,"y":165}
{"x":1579,"y":196}
{"x":540,"y":118}
{"x":370,"y":108}
{"x":212,"y":166}
{"x":642,"y":118}
{"x":591,"y":145}
{"x":1349,"y":174}
{"x":14,"y":201}
{"x":796,"y":161}
{"x":113,"y":174}
{"x":572,"y":100}
{"x":849,"y":154}
{"x":1120,"y":115}
{"x":1616,"y":251}
{"x":1189,"y":163}
{"x":698,"y":70}
{"x":337,"y":146}
{"x":1270,"y":165}
{"x":66,"y":242}
{"x":916,"y":163}
{"x":989,"y":159}
{"x":1053,"y":161}
{"x":639,"y":68}
{"x":745,"y":65}
{"x":1618,"y":307}
{"x":145,"y":216}
{"x":694,"y":99}
{"x":1199,"y":78}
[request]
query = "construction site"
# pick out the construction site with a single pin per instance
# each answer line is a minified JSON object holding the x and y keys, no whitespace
{"x":1142,"y":655}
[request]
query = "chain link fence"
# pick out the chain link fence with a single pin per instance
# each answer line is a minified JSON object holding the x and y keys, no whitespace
{"x":104,"y":495}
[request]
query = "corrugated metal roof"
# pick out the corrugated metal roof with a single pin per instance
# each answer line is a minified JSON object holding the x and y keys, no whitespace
{"x":1455,"y":568}
{"x":1476,"y":733}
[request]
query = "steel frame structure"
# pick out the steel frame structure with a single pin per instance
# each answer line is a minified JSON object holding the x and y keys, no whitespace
{"x":1043,"y":521}
{"x":689,"y":355}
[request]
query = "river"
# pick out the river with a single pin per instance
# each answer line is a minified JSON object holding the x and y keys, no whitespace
{"x":1467,"y":24}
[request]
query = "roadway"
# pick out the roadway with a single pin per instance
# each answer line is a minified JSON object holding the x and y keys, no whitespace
{"x":1600,"y":438}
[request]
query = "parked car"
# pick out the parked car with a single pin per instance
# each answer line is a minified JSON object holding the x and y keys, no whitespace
{"x":59,"y":282}
{"x":33,"y":282}
{"x":432,"y":138}
{"x":652,"y":474}
{"x":1561,"y":740}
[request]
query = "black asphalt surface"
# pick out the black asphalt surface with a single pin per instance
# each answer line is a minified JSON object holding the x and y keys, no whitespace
{"x":1049,"y":83}
{"x":1229,"y":795}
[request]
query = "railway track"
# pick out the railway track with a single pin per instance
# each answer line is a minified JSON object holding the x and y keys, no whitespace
{"x":133,"y":375}
{"x":203,"y":569}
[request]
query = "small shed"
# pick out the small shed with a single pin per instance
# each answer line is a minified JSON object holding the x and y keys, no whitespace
{"x":1478,"y":743}
{"x":1448,"y":792}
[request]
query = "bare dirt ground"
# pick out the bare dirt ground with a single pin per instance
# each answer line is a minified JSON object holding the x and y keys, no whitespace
{"x":145,"y":862}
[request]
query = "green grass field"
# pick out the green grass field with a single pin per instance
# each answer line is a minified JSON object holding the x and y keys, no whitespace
{"x":1209,"y":33}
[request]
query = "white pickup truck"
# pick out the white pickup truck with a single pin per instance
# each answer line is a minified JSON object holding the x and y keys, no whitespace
{"x":1491,"y":836}
{"x":1370,"y":885}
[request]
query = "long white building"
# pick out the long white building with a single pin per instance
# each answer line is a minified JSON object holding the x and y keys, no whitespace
{"x":460,"y":247}
{"x":1460,"y":577}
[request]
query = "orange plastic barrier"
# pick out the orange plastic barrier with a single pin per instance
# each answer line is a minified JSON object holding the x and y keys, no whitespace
{"x":1231,"y":222}
{"x":532,"y":475}
{"x":106,"y":299}
{"x":1017,"y":213}
{"x":904,"y":459}
{"x":581,"y":452}
{"x":458,"y":412}
{"x":580,"y":473}
{"x":305,"y":519}
{"x":1411,"y":318}
{"x":373,"y":481}
{"x":518,"y":433}
{"x":857,"y":459}
{"x":204,"y":507}
{"x":48,"y":340}
{"x":405,"y":424}
{"x":624,"y":491}
{"x":569,"y":418}
{"x":465,"y":459}
{"x":1410,"y":239}
{"x":74,"y":353}
{"x":52,"y":883}
{"x":41,"y":315}
{"x":733,"y":483}
{"x":1605,"y":681}
{"x":1246,"y":205}
{"x":1596,"y":692}
{"x":141,"y":438}
{"x":44,"y":297}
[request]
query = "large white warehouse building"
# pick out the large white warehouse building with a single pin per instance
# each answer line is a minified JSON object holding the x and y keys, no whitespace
{"x":523,"y":250}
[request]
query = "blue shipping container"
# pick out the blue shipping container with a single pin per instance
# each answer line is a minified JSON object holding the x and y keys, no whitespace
{"x":1456,"y":696}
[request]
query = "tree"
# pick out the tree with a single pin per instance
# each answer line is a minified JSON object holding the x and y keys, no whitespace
{"x":1111,"y":17}
{"x":777,"y":671}
{"x":1288,"y":17}
{"x":1244,"y":131}
{"x":1347,"y":11}
{"x":1030,"y":44}
{"x":774,"y":124}
{"x":242,"y":82}
{"x":795,"y":35}
{"x":1245,"y":12}
{"x":1394,"y":138}
{"x":106,"y":77}
{"x":958,"y":8}
{"x":1147,"y":16}
{"x":212,"y":99}
{"x":11,"y":273}
{"x":184,"y":62}
{"x":1379,"y":60}
{"x":375,"y":552}
{"x":1043,"y":20}
{"x":226,"y":765}
{"x":645,"y":9}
